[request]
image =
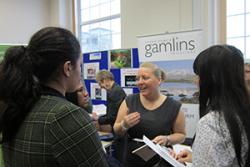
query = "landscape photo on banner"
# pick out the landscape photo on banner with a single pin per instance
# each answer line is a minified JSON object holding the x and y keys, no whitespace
{"x":180,"y":86}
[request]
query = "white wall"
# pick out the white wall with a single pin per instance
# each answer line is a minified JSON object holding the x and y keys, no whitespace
{"x":61,"y":13}
{"x":19,"y":19}
{"x":146,"y":17}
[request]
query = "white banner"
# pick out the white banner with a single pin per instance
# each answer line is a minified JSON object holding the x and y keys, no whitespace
{"x":192,"y":116}
{"x":170,"y":46}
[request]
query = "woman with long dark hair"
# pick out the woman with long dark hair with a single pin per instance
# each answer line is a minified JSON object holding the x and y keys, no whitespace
{"x":39,"y":126}
{"x":223,"y":132}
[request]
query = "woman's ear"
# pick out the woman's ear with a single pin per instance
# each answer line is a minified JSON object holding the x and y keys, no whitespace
{"x":159,"y":81}
{"x":67,"y":68}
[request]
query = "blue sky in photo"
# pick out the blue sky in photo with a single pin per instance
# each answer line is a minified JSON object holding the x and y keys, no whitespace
{"x":174,"y":65}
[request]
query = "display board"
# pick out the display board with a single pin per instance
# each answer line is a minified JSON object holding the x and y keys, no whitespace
{"x":118,"y":61}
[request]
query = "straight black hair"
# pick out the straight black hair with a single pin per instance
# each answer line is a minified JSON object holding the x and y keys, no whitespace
{"x":223,"y":90}
{"x":24,"y":69}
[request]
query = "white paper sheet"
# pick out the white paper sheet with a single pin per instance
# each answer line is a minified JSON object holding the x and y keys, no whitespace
{"x":180,"y":147}
{"x":99,"y":109}
{"x":163,"y":152}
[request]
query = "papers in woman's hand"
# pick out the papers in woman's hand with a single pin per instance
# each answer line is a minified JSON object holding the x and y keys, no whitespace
{"x":180,"y":147}
{"x":138,"y":140}
{"x":150,"y":147}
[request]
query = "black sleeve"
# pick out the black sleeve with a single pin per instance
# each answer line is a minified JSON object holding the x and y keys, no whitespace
{"x":113,"y":103}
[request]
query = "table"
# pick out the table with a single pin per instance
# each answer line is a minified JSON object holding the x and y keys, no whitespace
{"x":106,"y":144}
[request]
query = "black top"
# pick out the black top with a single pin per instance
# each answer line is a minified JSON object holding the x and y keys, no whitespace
{"x":152,"y":123}
{"x":114,"y":99}
{"x":155,"y":122}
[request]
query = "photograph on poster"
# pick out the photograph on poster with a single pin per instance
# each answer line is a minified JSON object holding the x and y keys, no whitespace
{"x":130,"y":80}
{"x":180,"y":80}
{"x":96,"y":93}
{"x":120,"y":58}
{"x":128,"y":77}
{"x":90,"y":70}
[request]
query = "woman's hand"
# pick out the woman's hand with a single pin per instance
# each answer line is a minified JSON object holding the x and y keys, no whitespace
{"x":97,"y":125}
{"x":161,"y":140}
{"x":94,"y":116}
{"x":131,"y":120}
{"x":184,"y":156}
{"x":172,"y":153}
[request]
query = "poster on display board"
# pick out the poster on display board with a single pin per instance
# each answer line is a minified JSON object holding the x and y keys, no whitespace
{"x":128,"y":77}
{"x":120,"y":58}
{"x":95,"y":56}
{"x":184,"y":45}
{"x":97,"y":93}
{"x":90,"y":70}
